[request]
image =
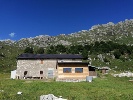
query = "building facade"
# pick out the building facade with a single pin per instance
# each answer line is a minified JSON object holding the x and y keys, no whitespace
{"x":59,"y":66}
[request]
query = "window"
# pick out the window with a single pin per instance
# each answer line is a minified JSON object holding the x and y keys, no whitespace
{"x":67,"y":70}
{"x":41,"y":61}
{"x":78,"y":70}
{"x":41,"y":72}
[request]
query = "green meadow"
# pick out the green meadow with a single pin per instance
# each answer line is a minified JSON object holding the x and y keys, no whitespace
{"x":106,"y":87}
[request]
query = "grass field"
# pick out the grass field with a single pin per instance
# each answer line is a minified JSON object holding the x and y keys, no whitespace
{"x":105,"y":88}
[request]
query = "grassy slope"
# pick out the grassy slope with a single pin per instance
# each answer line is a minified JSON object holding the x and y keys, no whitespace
{"x":107,"y":88}
{"x":121,"y":66}
{"x":8,"y":62}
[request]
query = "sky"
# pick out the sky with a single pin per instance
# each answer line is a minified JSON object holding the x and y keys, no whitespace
{"x":30,"y":18}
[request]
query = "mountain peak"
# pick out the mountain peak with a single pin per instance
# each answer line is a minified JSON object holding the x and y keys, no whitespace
{"x":121,"y":32}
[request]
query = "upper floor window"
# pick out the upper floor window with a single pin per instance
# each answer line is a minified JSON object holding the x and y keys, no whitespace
{"x":41,"y":61}
{"x":78,"y":70}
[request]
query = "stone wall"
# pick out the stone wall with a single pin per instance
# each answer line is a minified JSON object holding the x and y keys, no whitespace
{"x":35,"y":68}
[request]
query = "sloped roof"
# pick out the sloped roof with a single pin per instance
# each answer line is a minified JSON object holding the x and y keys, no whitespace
{"x":49,"y":56}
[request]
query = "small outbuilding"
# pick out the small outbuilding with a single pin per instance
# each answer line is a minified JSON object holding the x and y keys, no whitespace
{"x":104,"y":70}
{"x":13,"y":74}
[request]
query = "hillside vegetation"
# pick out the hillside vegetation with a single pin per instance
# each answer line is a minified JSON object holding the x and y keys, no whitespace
{"x":8,"y":56}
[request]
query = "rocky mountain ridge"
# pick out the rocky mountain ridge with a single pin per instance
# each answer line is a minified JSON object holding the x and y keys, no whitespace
{"x":121,"y":32}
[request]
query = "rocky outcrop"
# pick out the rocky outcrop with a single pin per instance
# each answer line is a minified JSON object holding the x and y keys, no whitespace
{"x":121,"y":32}
{"x":50,"y":97}
{"x":127,"y":74}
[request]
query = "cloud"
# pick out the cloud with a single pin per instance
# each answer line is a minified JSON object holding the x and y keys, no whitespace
{"x":12,"y":34}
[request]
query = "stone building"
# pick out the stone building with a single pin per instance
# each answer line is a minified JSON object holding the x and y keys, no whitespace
{"x":59,"y":66}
